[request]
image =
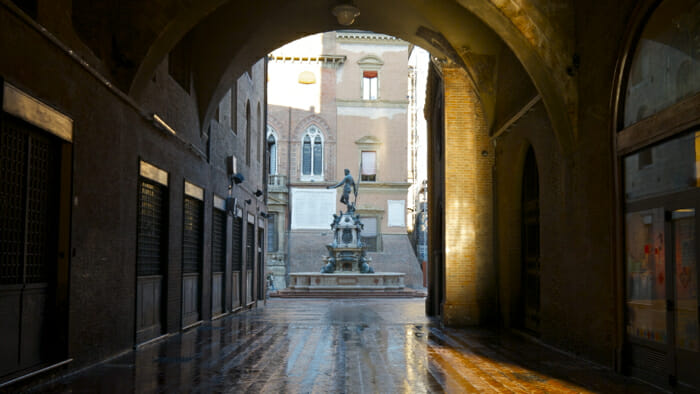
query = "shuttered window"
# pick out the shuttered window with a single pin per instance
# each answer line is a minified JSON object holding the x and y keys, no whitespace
{"x":152,"y":228}
{"x":250,"y":247}
{"x":369,"y":166}
{"x":28,"y":202}
{"x":192,"y":236}
{"x":237,"y":244}
{"x":218,"y":249}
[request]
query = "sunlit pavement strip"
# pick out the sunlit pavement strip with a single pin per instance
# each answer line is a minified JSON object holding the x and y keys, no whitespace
{"x":350,"y":346}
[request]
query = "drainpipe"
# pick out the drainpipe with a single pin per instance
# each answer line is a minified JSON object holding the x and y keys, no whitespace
{"x":287,"y":263}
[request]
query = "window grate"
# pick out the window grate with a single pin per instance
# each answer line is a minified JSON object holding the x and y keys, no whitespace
{"x":237,"y":242}
{"x":219,"y":241}
{"x":250,"y":245}
{"x":192,"y":236}
{"x":28,"y":202}
{"x":41,"y":207}
{"x":13,"y":163}
{"x":152,"y":228}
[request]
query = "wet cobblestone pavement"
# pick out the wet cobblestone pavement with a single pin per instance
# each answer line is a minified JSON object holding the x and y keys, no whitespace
{"x":343,"y":346}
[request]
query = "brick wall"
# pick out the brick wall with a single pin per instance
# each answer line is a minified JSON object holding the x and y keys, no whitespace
{"x":469,"y":274}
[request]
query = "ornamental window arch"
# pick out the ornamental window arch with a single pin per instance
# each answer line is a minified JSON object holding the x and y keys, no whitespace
{"x":312,"y":158}
{"x":370,"y":66}
{"x":272,"y":145}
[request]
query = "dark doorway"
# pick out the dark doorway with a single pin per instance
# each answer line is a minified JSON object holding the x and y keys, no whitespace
{"x":237,"y":262}
{"x":260,"y":266}
{"x":530,"y":277}
{"x":151,"y":258}
{"x":192,"y":260}
{"x":31,"y":302}
{"x":218,"y":257}
{"x":250,"y":262}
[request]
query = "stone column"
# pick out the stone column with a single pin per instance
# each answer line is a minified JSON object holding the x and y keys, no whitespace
{"x":470,"y":272}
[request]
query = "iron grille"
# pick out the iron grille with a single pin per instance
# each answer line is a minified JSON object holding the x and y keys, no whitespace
{"x":13,"y":162}
{"x":41,"y":207}
{"x":218,"y":252}
{"x":152,"y":229}
{"x":29,"y":162}
{"x":192,"y":236}
{"x":250,"y":245}
{"x":237,"y":244}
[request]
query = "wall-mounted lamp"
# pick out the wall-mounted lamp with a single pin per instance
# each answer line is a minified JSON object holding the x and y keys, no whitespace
{"x":237,"y":178}
{"x":258,"y":193}
{"x":248,"y":201}
{"x":232,"y":202}
{"x":346,"y":14}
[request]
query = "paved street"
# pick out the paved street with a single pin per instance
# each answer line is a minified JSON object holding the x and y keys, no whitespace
{"x":351,"y":346}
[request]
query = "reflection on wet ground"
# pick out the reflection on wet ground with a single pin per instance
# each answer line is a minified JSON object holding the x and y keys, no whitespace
{"x":343,"y":346}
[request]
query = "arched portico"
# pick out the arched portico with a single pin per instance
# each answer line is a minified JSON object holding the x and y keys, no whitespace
{"x":228,"y":36}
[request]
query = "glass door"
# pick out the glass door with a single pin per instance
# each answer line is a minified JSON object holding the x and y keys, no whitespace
{"x":684,"y":304}
{"x":662,"y":196}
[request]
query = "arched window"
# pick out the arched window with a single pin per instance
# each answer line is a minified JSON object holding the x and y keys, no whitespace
{"x":259,"y":132}
{"x":271,"y":151}
{"x":312,"y":155}
{"x":248,"y":144}
{"x":665,"y":68}
{"x":659,"y":150}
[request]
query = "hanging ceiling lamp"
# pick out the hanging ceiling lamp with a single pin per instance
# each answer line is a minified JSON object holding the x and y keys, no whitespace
{"x":346,"y":14}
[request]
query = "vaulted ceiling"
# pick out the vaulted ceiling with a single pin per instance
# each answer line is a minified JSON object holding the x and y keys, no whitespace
{"x":131,"y":38}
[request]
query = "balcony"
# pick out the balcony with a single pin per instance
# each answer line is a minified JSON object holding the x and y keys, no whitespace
{"x":277,"y":183}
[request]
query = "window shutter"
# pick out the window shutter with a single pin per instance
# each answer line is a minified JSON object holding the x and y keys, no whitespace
{"x":369,"y":163}
{"x":369,"y":74}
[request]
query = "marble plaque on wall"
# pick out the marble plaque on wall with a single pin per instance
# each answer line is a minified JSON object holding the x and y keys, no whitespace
{"x":312,"y":208}
{"x":397,"y":213}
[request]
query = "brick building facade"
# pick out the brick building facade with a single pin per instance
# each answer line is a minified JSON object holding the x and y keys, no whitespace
{"x":338,"y":100}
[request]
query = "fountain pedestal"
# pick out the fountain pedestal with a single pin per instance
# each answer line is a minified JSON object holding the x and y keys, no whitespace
{"x":346,"y":271}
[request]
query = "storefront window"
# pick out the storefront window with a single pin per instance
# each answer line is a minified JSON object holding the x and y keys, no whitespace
{"x":646,"y":275}
{"x":686,"y":279}
{"x":664,"y":168}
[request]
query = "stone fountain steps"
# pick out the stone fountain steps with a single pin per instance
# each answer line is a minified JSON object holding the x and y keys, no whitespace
{"x":347,"y":285}
{"x":299,"y":293}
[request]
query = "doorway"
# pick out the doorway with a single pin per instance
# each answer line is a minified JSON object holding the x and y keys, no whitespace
{"x":33,"y":245}
{"x":530,"y":268}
